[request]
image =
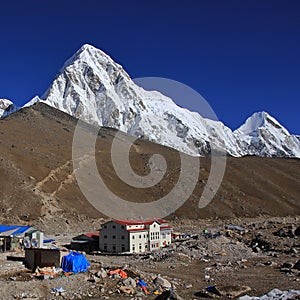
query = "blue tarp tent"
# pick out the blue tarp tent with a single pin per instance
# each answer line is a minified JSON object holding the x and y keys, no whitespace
{"x":74,"y":262}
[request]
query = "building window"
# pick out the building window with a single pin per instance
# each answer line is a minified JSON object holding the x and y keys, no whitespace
{"x":123,"y":247}
{"x":133,"y":237}
{"x":104,"y":226}
{"x":140,"y":236}
{"x":114,"y":236}
{"x":140,"y":246}
{"x":114,"y":248}
{"x":133,"y":248}
{"x":122,"y":227}
{"x":123,"y":237}
{"x":114,"y":227}
{"x":105,"y":247}
{"x":105,"y":236}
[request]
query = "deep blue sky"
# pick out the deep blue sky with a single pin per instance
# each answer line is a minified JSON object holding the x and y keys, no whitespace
{"x":242,"y":56}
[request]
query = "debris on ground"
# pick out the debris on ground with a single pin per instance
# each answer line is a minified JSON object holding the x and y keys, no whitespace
{"x":220,"y":262}
{"x":58,"y":291}
{"x":118,"y":273}
{"x":275,"y":294}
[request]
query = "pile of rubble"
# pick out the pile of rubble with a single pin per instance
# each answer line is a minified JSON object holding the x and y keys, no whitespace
{"x":275,"y":294}
{"x":132,"y":283}
{"x":268,"y":237}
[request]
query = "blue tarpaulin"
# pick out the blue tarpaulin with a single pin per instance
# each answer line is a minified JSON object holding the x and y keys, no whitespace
{"x":48,"y":241}
{"x":74,"y":262}
{"x":142,"y":283}
{"x":14,"y":229}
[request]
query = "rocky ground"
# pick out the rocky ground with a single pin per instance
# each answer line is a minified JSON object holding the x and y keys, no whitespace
{"x":221,"y":264}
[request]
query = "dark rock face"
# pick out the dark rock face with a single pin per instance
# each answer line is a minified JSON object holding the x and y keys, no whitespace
{"x":297,"y":265}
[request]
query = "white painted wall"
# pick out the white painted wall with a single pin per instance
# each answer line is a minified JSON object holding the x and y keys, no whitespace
{"x":154,"y":234}
{"x":139,"y":241}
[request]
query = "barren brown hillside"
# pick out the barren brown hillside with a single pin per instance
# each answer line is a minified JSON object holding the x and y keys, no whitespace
{"x":38,"y":184}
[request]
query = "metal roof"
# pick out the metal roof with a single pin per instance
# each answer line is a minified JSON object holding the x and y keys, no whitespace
{"x":8,"y":230}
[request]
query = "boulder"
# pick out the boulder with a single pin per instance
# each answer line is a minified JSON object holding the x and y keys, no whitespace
{"x":129,"y":282}
{"x":127,"y":290}
{"x":230,"y":291}
{"x":287,"y":265}
{"x":102,"y":273}
{"x":160,"y":281}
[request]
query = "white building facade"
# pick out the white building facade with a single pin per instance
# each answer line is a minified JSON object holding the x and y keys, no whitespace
{"x":134,"y":236}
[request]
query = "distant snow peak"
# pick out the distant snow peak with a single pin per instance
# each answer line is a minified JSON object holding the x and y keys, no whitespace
{"x":259,"y":120}
{"x":7,"y":107}
{"x":4,"y":103}
{"x":263,"y":135}
{"x":94,"y":88}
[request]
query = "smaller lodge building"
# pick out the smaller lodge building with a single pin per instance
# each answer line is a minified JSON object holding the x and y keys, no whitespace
{"x":15,"y":236}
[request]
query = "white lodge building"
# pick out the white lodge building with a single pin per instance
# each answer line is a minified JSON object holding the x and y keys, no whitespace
{"x":134,"y":236}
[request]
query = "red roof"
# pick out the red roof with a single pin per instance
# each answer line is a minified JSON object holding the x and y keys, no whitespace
{"x":140,"y":222}
{"x":91,"y":234}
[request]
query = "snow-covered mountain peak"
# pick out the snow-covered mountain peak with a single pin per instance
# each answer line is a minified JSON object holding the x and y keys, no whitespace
{"x":5,"y":103}
{"x":91,"y":86}
{"x":89,"y":50}
{"x":7,"y":107}
{"x":265,"y":136}
{"x":84,"y":53}
{"x":258,"y":121}
{"x":94,"y":58}
{"x":94,"y":88}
